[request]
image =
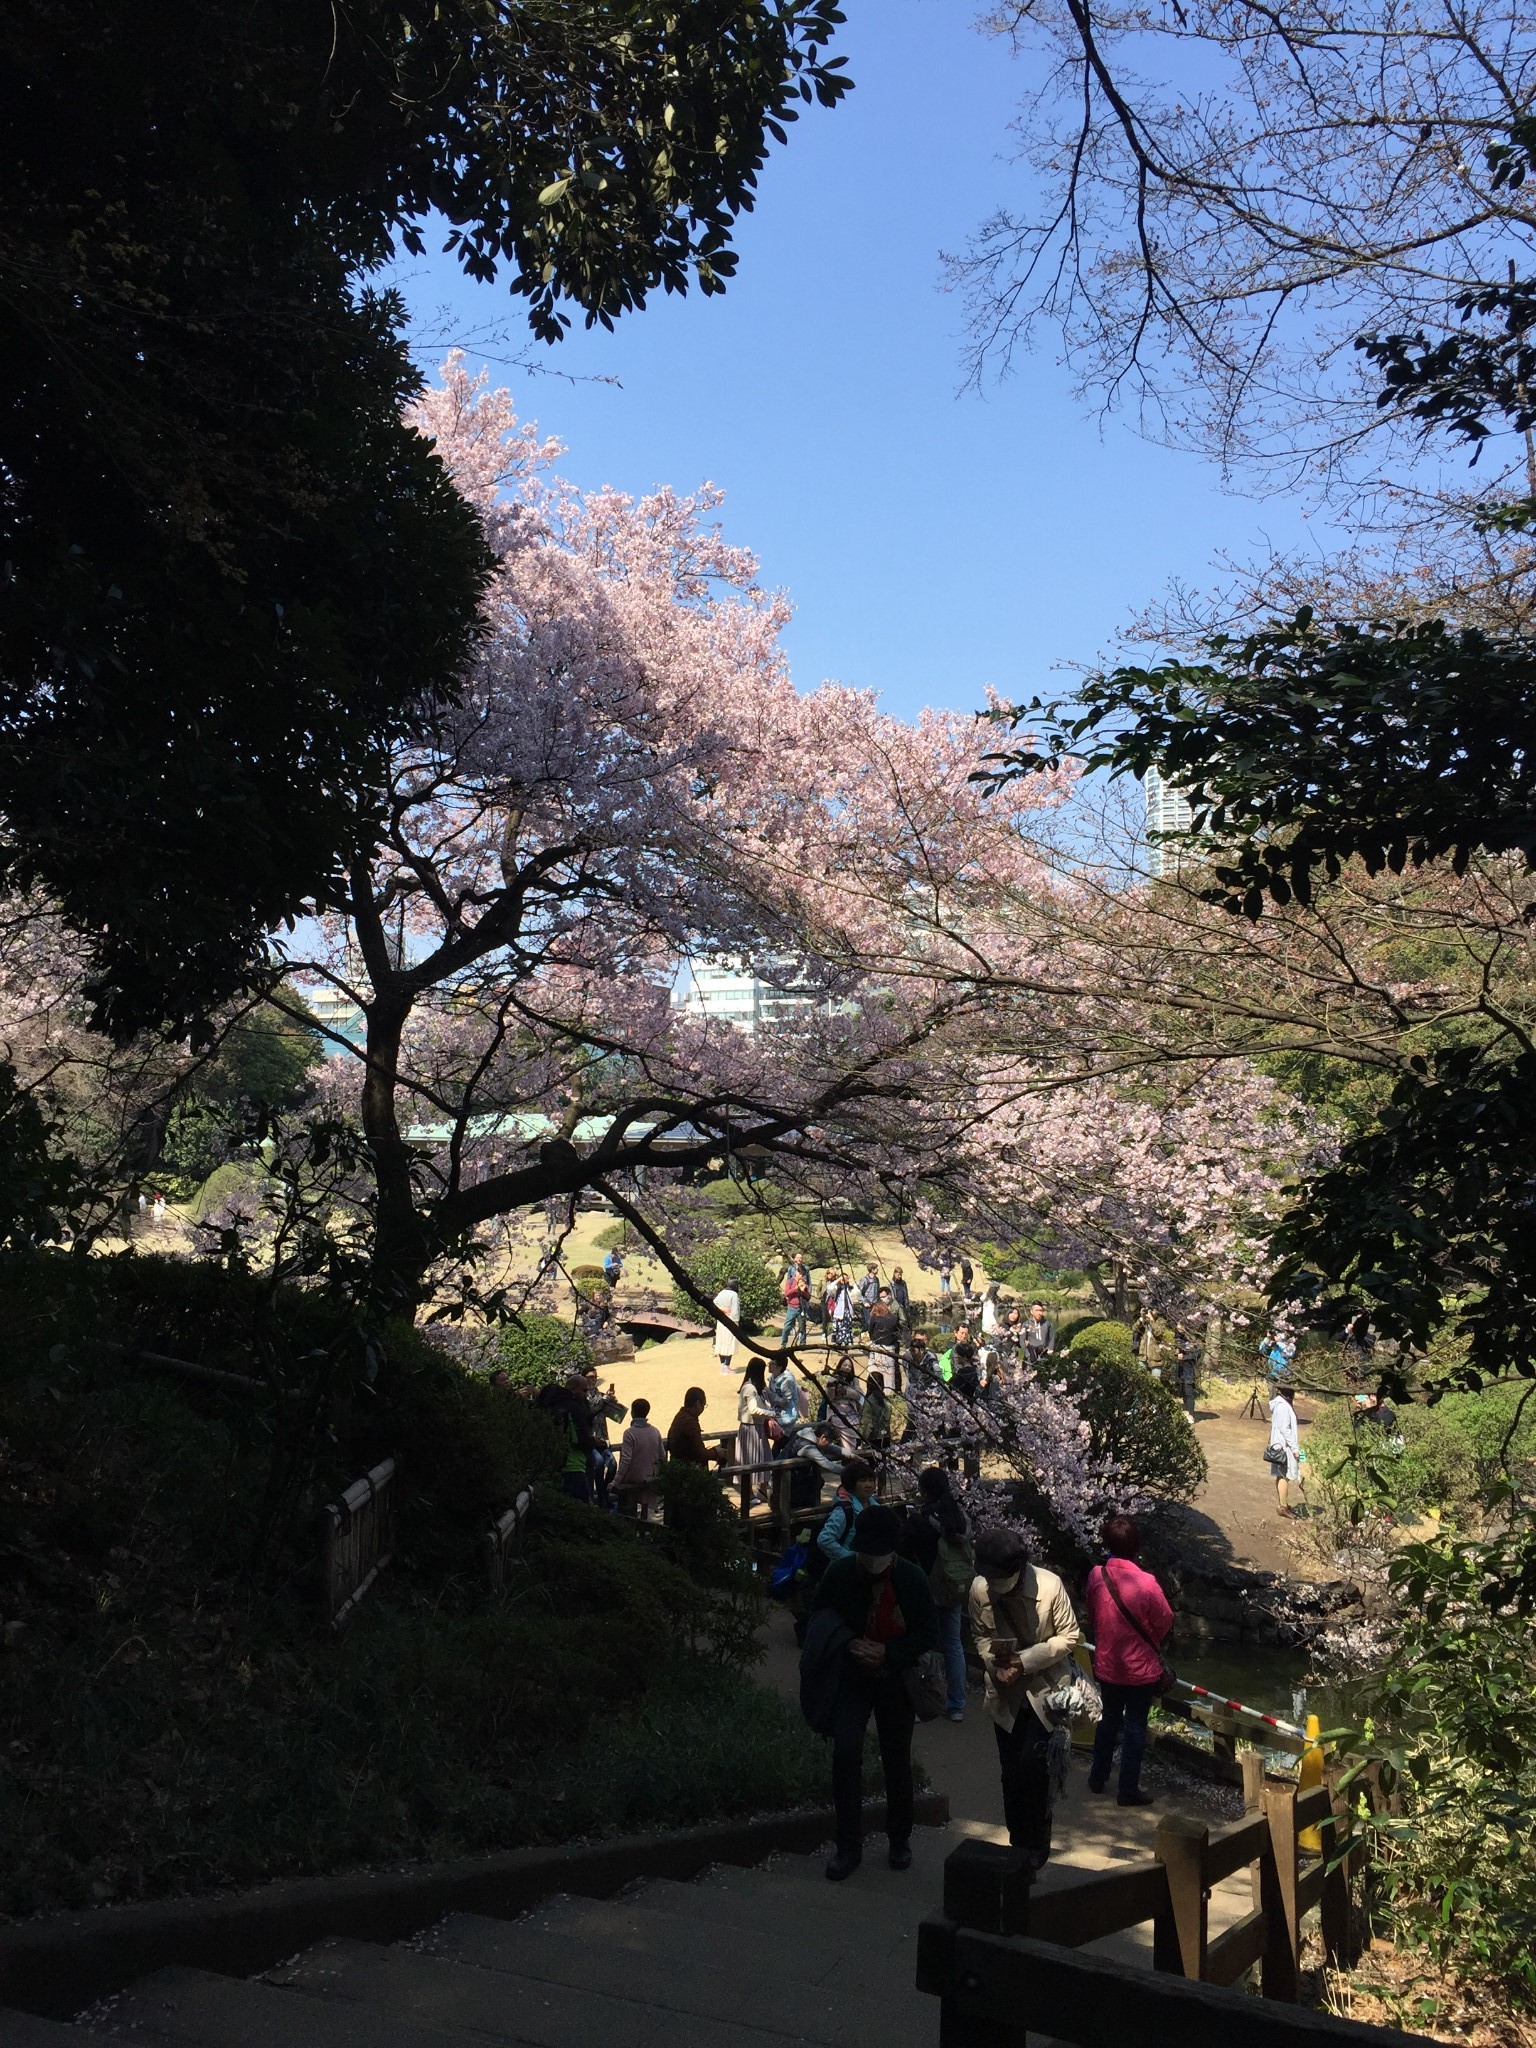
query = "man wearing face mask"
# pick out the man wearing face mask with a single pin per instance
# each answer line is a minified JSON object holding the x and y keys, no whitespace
{"x":886,"y":1603}
{"x":1024,"y":1629}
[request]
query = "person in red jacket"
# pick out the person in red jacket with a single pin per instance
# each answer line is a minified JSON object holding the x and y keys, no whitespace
{"x":1130,"y":1618}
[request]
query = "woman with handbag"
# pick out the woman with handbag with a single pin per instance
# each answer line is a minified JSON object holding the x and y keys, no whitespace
{"x":1130,"y":1618}
{"x":1283,"y":1452}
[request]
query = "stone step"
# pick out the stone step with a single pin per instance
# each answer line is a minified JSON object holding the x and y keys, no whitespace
{"x":858,"y":1998}
{"x":26,"y":2030}
{"x":545,"y":2010}
{"x":203,"y":2010}
{"x":796,"y":1909}
{"x":817,"y":1941}
{"x":873,"y":1891}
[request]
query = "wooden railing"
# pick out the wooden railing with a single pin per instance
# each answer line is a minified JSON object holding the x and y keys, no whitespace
{"x":1001,"y":1960}
{"x":501,"y":1536}
{"x":358,"y":1540}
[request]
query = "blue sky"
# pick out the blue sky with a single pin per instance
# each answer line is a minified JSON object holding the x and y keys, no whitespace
{"x":933,"y":540}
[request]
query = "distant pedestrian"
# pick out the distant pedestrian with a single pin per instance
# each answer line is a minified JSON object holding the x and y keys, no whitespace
{"x":796,"y":1289}
{"x":967,"y":1275}
{"x":685,"y":1439}
{"x":945,"y":1270}
{"x":840,"y":1306}
{"x":875,"y":1416}
{"x":603,"y":1408}
{"x":1024,"y":1629}
{"x":1284,"y":1453}
{"x":157,"y":1211}
{"x":784,"y":1401}
{"x":901,"y":1297}
{"x":991,"y":1315}
{"x":727,"y":1304}
{"x":568,"y":1409}
{"x":884,"y":1335}
{"x":1039,"y":1335}
{"x":841,"y":1404}
{"x":752,"y":1413}
{"x":855,"y":1490}
{"x":942,"y":1547}
{"x":1186,"y":1359}
{"x":869,"y":1294}
{"x":965,"y":1364}
{"x":613,"y":1267}
{"x":641,"y":1456}
{"x":1372,"y":1412}
{"x":1130,"y":1618}
{"x":887,"y":1623}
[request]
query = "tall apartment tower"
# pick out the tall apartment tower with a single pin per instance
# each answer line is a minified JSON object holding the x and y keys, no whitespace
{"x":1167,"y":811}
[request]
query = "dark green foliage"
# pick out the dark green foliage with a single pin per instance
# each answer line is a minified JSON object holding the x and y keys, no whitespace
{"x":231,"y":568}
{"x":39,"y":1186}
{"x":168,"y":1726}
{"x":1434,"y":1199}
{"x":1134,"y":1419}
{"x":1453,"y":1719}
{"x":263,"y":1066}
{"x":727,"y":1258}
{"x":1069,"y":1326}
{"x":537,"y":1350}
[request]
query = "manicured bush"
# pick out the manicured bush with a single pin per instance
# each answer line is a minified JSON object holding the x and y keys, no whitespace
{"x":1134,"y":1419}
{"x":540,"y":1349}
{"x":1102,"y":1343}
{"x":727,"y":1258}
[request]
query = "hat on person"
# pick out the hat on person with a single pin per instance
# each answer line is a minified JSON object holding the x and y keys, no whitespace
{"x":876,"y":1532}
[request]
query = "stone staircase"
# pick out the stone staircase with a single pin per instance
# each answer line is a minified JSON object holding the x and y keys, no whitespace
{"x":736,"y":1959}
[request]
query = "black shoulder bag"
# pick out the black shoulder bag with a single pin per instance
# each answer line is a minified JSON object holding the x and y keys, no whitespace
{"x":1167,"y":1677}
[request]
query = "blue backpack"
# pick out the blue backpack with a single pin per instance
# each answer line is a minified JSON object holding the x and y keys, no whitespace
{"x":785,"y":1579}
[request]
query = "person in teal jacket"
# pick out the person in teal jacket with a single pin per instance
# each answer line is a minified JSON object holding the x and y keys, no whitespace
{"x":886,"y":1603}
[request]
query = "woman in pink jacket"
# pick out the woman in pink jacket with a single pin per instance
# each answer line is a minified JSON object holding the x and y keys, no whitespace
{"x":1129,"y":1618}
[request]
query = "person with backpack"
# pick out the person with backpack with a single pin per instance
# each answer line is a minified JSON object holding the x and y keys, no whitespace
{"x":841,"y":1404}
{"x":796,"y":1290}
{"x":873,"y":1613}
{"x":1130,"y":1619}
{"x":937,"y":1538}
{"x":855,"y":1489}
{"x":875,"y":1416}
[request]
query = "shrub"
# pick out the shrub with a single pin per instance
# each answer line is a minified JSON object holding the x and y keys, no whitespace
{"x":579,"y":1273}
{"x":541,"y":1349}
{"x":1102,"y":1343}
{"x":1134,"y":1419}
{"x":726,"y":1258}
{"x":1069,"y":1326}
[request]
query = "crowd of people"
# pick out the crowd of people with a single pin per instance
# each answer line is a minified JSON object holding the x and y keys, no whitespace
{"x":892,"y":1593}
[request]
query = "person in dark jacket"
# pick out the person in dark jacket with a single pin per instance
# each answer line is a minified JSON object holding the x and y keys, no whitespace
{"x":937,"y":1537}
{"x":886,"y":1603}
{"x":685,"y":1439}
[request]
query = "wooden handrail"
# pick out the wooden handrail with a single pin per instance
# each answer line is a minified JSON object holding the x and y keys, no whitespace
{"x":989,"y":1890}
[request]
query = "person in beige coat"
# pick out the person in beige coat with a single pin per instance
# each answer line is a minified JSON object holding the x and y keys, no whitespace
{"x":1024,"y":1630}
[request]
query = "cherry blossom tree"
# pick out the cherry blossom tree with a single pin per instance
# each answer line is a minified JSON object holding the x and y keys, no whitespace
{"x":628,"y":779}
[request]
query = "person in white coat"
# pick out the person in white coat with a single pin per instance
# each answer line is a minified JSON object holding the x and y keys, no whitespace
{"x":727,"y":1303}
{"x":1284,"y":1438}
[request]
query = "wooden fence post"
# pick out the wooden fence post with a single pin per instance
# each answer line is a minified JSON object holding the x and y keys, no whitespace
{"x":1278,"y":1969}
{"x":1252,"y":1763}
{"x":986,"y":1889}
{"x":1179,"y":1938}
{"x":1335,"y":1902}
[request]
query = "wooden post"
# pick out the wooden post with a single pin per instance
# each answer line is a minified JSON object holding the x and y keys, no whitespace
{"x":1179,"y":1938}
{"x":1335,"y":1902}
{"x":1278,"y":1971}
{"x":1253,"y":1779}
{"x":986,"y":1889}
{"x":1224,"y":1736}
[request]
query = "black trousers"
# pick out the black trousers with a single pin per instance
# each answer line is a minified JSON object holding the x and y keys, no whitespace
{"x":883,"y":1695}
{"x":1026,"y":1783}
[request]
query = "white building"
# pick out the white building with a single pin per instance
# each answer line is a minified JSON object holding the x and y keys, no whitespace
{"x":335,"y":1011}
{"x":1167,"y":811}
{"x":734,"y":994}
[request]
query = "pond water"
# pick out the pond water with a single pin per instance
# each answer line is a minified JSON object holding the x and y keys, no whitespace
{"x":1271,"y":1679}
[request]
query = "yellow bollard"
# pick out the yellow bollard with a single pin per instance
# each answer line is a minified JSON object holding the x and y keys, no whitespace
{"x":1311,"y":1839}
